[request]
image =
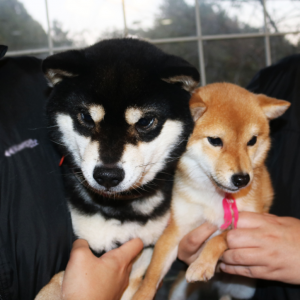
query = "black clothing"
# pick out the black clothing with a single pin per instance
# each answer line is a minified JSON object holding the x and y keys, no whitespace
{"x":282,"y":81}
{"x":35,"y":226}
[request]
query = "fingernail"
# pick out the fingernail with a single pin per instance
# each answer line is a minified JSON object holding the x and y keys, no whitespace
{"x":222,"y":266}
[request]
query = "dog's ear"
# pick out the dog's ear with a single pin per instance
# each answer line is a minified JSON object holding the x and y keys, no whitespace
{"x":3,"y":50}
{"x":62,"y":65}
{"x":197,"y":105}
{"x":176,"y":70}
{"x":272,"y":107}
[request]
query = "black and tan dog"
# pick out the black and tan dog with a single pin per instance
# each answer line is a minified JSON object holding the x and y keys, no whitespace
{"x":119,"y":112}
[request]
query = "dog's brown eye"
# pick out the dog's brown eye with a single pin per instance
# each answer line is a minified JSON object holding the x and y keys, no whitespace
{"x":216,"y":142}
{"x":144,"y":123}
{"x":87,"y":119}
{"x":252,"y":142}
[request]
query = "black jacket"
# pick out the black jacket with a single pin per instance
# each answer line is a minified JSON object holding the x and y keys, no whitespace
{"x":282,"y":81}
{"x":35,"y":226}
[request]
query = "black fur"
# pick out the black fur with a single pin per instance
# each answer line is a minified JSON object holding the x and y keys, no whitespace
{"x":118,"y":74}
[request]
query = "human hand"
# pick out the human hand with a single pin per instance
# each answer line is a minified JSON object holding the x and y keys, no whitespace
{"x":189,"y":246}
{"x":103,"y":278}
{"x":264,"y":246}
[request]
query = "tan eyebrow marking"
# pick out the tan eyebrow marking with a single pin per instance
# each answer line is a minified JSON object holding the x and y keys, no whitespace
{"x":132,"y":115}
{"x":97,"y":112}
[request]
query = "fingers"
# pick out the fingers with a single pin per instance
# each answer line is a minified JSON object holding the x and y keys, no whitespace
{"x":254,"y":220}
{"x":80,"y":243}
{"x":245,"y":257}
{"x":80,"y":251}
{"x":131,"y":249}
{"x":252,"y":272}
{"x":127,"y":252}
{"x":191,"y":243}
{"x":243,"y":238}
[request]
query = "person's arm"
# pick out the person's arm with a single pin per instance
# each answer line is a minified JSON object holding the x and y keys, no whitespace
{"x":263,"y":246}
{"x":104,"y":278}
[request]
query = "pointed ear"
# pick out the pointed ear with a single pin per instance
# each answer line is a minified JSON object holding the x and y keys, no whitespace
{"x":272,"y":107}
{"x":178,"y":71}
{"x":197,"y":106}
{"x":62,"y":65}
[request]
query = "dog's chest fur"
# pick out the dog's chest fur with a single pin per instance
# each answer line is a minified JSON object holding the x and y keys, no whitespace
{"x":198,"y":198}
{"x":104,"y":235}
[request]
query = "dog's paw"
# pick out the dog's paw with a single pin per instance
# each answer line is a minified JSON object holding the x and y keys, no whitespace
{"x":200,"y":272}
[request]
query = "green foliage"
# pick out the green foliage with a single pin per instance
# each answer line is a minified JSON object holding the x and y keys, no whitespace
{"x":17,"y":28}
{"x":19,"y":31}
{"x":234,"y":60}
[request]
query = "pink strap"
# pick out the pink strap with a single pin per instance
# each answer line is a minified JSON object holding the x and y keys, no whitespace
{"x":229,"y":204}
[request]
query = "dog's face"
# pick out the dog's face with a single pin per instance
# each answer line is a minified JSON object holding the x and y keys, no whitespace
{"x":231,"y":134}
{"x":121,"y":110}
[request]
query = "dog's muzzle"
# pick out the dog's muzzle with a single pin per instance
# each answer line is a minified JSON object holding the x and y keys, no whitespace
{"x":108,"y":176}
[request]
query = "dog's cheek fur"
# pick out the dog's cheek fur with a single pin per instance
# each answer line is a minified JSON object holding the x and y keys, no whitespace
{"x":89,"y":160}
{"x":197,"y":151}
{"x":75,"y":142}
{"x":142,"y":162}
{"x":261,"y":151}
{"x":86,"y":154}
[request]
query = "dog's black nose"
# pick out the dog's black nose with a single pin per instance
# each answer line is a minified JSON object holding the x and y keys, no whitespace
{"x":108,"y":177}
{"x":240,"y":180}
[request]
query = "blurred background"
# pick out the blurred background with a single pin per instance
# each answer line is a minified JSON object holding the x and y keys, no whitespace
{"x":227,"y":40}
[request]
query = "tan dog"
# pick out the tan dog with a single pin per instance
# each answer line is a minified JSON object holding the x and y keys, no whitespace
{"x":224,"y":158}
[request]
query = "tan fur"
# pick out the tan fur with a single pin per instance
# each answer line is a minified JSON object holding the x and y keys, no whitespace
{"x":53,"y":289}
{"x":208,"y":259}
{"x":204,"y":173}
{"x":164,"y":246}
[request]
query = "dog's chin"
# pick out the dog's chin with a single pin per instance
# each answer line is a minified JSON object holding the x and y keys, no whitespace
{"x":130,"y":194}
{"x":224,"y":188}
{"x":126,"y":195}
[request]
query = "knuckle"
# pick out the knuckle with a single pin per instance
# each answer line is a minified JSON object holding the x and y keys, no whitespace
{"x":193,"y":241}
{"x":270,"y":237}
{"x":248,"y":272}
{"x":230,"y":238}
{"x":236,"y":257}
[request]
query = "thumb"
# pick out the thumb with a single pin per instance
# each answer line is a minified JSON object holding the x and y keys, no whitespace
{"x":128,"y":251}
{"x":80,"y":243}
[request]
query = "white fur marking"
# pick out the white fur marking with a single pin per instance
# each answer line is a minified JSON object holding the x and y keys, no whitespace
{"x":85,"y":152}
{"x":147,"y":205}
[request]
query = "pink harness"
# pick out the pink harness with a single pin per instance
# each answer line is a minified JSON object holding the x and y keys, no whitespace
{"x":228,"y":205}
